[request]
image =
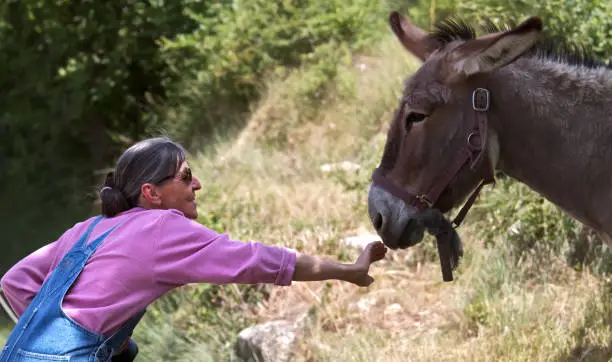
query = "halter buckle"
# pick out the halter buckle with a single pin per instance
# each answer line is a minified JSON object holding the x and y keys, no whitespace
{"x":481,"y":100}
{"x":423,"y":199}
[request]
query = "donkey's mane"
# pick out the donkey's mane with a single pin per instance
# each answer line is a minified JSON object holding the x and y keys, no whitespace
{"x":555,"y":49}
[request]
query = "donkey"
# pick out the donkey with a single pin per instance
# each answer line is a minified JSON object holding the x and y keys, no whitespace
{"x":511,"y":101}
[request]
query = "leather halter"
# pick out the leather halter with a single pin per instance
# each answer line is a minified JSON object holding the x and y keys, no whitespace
{"x":473,"y":154}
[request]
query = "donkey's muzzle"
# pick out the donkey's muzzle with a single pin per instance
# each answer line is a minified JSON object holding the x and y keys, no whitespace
{"x":395,"y":222}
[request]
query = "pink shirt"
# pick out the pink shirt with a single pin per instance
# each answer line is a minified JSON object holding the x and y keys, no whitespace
{"x":150,"y":254}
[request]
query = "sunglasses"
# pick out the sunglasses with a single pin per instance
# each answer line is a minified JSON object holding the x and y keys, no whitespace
{"x":184,"y":176}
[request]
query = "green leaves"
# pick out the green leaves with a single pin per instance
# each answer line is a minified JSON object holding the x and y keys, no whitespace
{"x":72,"y":69}
{"x":238,"y":44}
{"x":583,"y":22}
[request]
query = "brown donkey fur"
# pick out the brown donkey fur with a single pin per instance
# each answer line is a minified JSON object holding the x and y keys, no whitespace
{"x":549,"y":124}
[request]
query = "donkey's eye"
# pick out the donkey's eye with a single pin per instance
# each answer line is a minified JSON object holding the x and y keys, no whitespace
{"x":414,"y":117}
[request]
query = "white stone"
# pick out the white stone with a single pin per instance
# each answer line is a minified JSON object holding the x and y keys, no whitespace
{"x":270,"y":341}
{"x":360,"y":241}
{"x":345,"y":166}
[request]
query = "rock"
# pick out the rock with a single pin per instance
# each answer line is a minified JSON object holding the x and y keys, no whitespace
{"x":345,"y":166}
{"x":363,"y":305}
{"x":393,"y":309}
{"x":270,"y":341}
{"x":516,"y":229}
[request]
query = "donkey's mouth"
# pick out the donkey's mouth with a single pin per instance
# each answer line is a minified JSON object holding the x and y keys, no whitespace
{"x":433,"y":220}
{"x":412,"y":235}
{"x":429,"y":220}
{"x":437,"y":225}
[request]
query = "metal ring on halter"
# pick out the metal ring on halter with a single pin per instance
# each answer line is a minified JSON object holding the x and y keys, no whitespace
{"x":470,"y":139}
{"x":423,"y":198}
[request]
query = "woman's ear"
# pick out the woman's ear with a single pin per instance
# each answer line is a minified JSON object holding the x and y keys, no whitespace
{"x":150,"y":195}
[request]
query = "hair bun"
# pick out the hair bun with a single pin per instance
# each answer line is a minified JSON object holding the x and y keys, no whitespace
{"x":109,"y":180}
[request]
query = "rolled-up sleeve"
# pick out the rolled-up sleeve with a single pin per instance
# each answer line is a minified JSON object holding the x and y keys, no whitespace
{"x":187,"y":252}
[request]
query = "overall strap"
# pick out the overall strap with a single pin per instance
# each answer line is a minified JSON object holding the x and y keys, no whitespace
{"x":83,"y":239}
{"x":91,"y":247}
{"x":79,"y":254}
{"x":51,"y":285}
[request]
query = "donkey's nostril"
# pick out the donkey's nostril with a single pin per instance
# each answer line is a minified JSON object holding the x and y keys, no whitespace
{"x":378,"y":221}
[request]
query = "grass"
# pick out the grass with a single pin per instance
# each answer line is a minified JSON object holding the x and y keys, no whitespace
{"x":266,"y":184}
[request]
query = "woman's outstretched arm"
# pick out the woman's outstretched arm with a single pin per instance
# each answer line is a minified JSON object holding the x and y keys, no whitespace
{"x":310,"y":268}
{"x":188,"y":252}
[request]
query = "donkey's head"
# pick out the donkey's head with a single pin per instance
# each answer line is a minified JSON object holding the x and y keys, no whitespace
{"x":439,"y":147}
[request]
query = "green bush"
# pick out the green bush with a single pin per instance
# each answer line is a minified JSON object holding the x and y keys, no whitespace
{"x":239,"y":44}
{"x":199,"y":322}
{"x":586,"y":23}
{"x":425,"y":13}
{"x":532,"y":227}
{"x":77,"y":78}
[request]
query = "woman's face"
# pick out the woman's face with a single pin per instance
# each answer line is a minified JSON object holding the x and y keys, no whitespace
{"x":179,"y":192}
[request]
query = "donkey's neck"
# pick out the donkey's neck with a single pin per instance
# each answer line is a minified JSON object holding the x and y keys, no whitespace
{"x":554,"y":126}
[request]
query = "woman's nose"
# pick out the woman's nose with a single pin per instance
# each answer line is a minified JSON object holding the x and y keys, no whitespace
{"x":195,"y":183}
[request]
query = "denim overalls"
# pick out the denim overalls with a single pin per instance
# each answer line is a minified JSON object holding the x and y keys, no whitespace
{"x":45,"y":333}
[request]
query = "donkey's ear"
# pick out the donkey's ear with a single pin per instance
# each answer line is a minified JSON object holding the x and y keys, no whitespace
{"x":413,"y":38}
{"x":493,"y":51}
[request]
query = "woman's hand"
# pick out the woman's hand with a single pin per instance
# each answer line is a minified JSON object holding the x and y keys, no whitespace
{"x":372,"y":253}
{"x":309,"y":268}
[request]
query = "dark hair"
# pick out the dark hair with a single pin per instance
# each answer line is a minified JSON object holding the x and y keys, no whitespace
{"x":148,"y":161}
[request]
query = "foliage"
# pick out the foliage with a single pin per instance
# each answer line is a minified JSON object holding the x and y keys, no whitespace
{"x":425,"y":13}
{"x":76,"y":80}
{"x":531,"y":226}
{"x":239,"y":43}
{"x":199,"y":322}
{"x":586,"y":23}
{"x":75,"y":73}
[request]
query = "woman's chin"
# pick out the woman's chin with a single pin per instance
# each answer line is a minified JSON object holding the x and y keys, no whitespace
{"x":191,"y":211}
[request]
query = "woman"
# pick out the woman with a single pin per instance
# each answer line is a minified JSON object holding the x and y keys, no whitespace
{"x":80,"y":297}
